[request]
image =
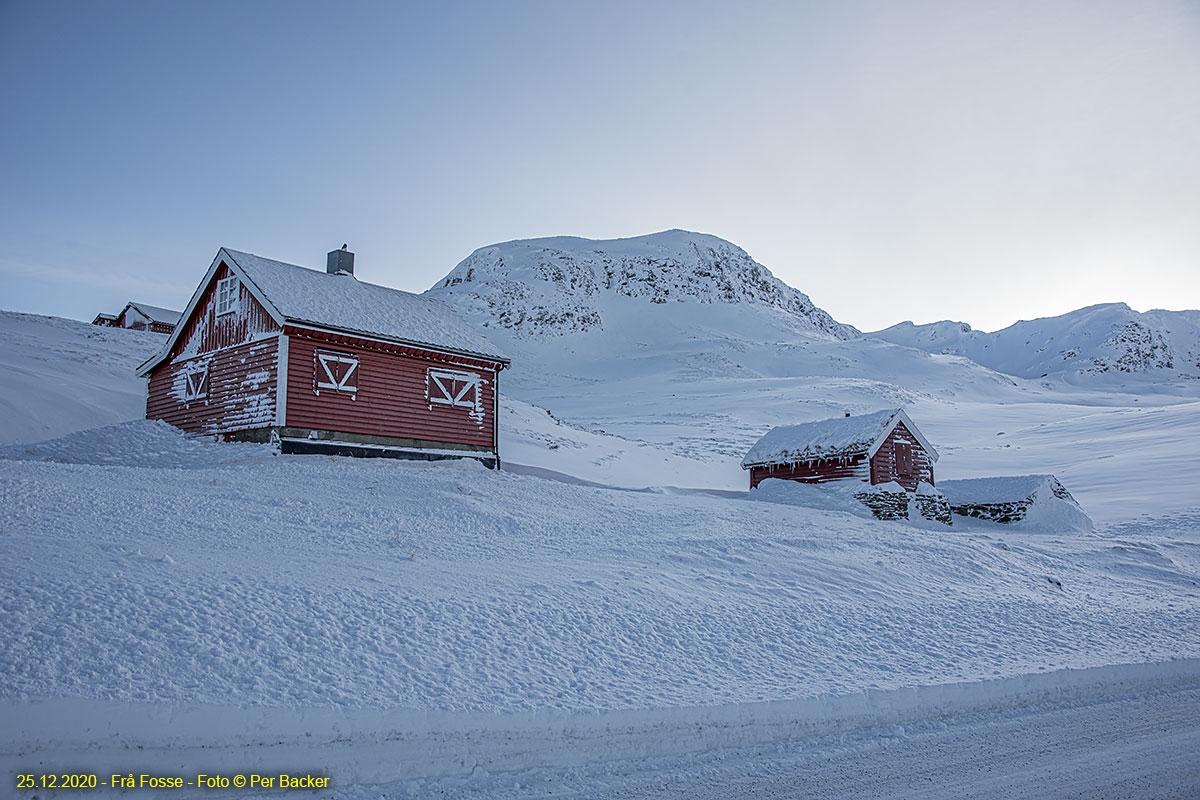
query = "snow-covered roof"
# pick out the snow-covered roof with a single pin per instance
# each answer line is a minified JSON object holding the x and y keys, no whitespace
{"x":830,"y":438}
{"x":981,"y":491}
{"x":297,"y":295}
{"x":155,"y":313}
{"x":304,"y":295}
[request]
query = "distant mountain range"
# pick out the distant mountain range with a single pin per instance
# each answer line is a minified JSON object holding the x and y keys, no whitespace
{"x":561,"y":286}
{"x":1110,"y":339}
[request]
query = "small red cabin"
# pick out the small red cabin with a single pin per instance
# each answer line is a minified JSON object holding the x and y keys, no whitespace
{"x":323,"y":362}
{"x":873,"y":448}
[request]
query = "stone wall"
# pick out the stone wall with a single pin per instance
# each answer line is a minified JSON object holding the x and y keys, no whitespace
{"x":885,"y":505}
{"x":1013,"y":511}
{"x":934,"y":507}
{"x":903,"y":505}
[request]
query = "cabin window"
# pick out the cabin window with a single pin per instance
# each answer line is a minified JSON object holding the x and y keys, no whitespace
{"x":227,"y":296}
{"x":335,"y":372}
{"x":195,"y":382}
{"x":451,"y":387}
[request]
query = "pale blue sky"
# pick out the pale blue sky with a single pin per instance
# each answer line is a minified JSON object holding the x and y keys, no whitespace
{"x":981,"y":161}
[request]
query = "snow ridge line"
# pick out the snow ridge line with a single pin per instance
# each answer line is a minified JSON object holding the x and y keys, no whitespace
{"x":365,"y":746}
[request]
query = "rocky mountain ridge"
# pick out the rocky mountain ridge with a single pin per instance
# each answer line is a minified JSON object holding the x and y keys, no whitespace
{"x":561,"y":285}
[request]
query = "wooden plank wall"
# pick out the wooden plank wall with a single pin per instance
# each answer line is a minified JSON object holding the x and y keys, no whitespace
{"x":241,"y":390}
{"x":883,"y":463}
{"x":205,"y":332}
{"x":391,"y":399}
{"x":852,"y":467}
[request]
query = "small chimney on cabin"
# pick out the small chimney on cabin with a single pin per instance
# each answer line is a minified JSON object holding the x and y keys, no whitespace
{"x":340,"y":261}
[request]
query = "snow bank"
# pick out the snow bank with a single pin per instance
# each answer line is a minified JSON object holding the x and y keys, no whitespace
{"x":832,"y":496}
{"x":141,"y":443}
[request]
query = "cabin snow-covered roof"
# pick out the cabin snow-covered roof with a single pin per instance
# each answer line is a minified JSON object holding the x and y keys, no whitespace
{"x":830,"y":438}
{"x":297,"y":295}
{"x":982,"y":491}
{"x":155,"y":313}
{"x":342,"y":302}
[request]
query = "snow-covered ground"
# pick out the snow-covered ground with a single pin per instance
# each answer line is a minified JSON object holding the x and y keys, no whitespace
{"x":152,"y":571}
{"x":143,"y":566}
{"x":147,"y":577}
{"x":60,"y":375}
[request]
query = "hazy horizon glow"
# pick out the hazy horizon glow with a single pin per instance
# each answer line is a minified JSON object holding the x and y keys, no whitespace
{"x":983,"y":162}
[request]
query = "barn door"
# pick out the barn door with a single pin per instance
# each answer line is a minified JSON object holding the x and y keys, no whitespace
{"x":904,"y":458}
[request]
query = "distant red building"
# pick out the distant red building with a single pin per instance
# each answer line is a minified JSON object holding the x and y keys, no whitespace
{"x":873,"y":448}
{"x":326,"y":363}
{"x":140,"y":317}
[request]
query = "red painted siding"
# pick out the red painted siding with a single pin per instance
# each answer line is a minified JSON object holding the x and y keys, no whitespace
{"x":240,"y":396}
{"x":812,"y":471}
{"x":205,"y":332}
{"x":392,"y":392}
{"x":885,"y":466}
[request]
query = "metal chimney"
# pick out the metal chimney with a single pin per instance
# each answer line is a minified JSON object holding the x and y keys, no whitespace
{"x":340,"y":261}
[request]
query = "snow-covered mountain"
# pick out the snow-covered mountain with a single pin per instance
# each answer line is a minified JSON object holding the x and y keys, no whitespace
{"x":566,"y":284}
{"x":1109,"y":339}
{"x":682,"y":341}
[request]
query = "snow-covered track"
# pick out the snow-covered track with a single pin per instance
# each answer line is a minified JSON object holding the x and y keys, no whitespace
{"x":359,"y":747}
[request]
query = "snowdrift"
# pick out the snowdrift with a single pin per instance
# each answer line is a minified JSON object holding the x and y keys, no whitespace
{"x":225,"y":574}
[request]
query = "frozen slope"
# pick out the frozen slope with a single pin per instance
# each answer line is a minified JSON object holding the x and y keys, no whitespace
{"x":60,"y":375}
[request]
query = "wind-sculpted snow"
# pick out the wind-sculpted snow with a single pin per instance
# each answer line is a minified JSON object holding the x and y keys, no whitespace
{"x":1109,"y":340}
{"x":559,"y":285}
{"x":221,"y":576}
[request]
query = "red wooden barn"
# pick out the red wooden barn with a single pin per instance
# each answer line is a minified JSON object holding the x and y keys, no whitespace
{"x":324,"y":362}
{"x":876,"y":448}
